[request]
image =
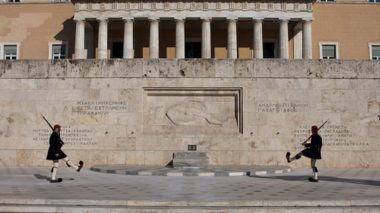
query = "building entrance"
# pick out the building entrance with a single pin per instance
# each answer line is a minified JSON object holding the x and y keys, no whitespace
{"x":193,"y":49}
{"x":117,"y":50}
{"x":268,"y":49}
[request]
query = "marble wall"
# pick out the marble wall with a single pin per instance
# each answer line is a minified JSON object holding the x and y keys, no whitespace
{"x":241,"y":112}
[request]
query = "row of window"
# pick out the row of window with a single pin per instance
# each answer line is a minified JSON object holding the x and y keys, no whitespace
{"x":328,"y":50}
{"x":370,"y":1}
{"x":10,"y":51}
{"x":18,"y":1}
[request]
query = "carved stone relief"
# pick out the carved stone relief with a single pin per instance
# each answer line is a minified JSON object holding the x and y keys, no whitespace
{"x":194,"y":110}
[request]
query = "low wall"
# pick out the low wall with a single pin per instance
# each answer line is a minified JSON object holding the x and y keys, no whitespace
{"x":241,"y":112}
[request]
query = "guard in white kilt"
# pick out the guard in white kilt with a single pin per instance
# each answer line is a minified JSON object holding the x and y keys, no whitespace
{"x":312,"y":151}
{"x":55,"y":154}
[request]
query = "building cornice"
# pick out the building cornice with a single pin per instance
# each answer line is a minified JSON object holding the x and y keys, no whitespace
{"x":174,"y":9}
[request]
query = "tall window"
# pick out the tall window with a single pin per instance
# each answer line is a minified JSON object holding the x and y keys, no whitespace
{"x":329,"y":51}
{"x":374,"y":51}
{"x":58,"y":50}
{"x":327,"y":0}
{"x":10,"y":52}
{"x":374,"y":1}
{"x":13,"y":1}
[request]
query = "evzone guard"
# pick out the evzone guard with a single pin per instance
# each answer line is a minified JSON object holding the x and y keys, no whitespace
{"x":312,"y":151}
{"x":55,"y":153}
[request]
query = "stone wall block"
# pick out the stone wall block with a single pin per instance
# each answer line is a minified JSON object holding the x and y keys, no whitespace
{"x":24,"y":157}
{"x":38,"y":69}
{"x":331,"y":69}
{"x":108,"y":68}
{"x":2,"y":68}
{"x":276,"y":68}
{"x":128,"y":68}
{"x":376,"y":69}
{"x":365,"y":69}
{"x":8,"y":158}
{"x":57,"y":68}
{"x":151,"y":68}
{"x":135,"y":157}
{"x":245,"y":68}
{"x":301,"y":69}
{"x":196,"y":68}
{"x":16,"y":69}
{"x":116,"y":157}
{"x":75,"y":69}
{"x":225,"y":68}
{"x":349,"y":69}
{"x":168,"y":68}
{"x":85,"y":68}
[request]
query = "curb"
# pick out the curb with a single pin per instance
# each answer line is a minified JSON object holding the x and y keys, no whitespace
{"x":201,"y":172}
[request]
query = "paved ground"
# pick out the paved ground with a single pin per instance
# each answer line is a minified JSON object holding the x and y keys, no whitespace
{"x":28,"y":189}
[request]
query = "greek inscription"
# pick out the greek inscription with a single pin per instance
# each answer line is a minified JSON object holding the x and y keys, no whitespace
{"x":333,"y":135}
{"x":70,"y":136}
{"x":101,"y":108}
{"x":281,"y":107}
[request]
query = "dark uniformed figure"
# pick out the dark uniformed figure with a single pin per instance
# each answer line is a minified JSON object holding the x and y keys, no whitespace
{"x":55,"y":154}
{"x":312,"y":151}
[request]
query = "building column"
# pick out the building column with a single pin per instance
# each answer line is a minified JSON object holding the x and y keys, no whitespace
{"x":258,"y":38}
{"x":128,"y":51}
{"x":232,"y":38}
{"x":180,"y":38}
{"x":284,"y":39}
{"x":103,"y":38}
{"x":79,"y":39}
{"x":206,"y":38}
{"x":306,"y":47}
{"x":154,"y":38}
{"x":297,"y":38}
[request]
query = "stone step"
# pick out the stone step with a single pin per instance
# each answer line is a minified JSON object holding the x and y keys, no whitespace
{"x":190,"y":159}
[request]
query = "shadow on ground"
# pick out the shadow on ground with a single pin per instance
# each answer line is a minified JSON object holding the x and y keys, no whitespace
{"x":325,"y":178}
{"x":44,"y":177}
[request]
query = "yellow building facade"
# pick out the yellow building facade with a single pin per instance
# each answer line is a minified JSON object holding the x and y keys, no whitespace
{"x":190,"y":29}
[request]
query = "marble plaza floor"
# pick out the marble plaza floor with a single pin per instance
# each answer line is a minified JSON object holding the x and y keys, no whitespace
{"x":339,"y":190}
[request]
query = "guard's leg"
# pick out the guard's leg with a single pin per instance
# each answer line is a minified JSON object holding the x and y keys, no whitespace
{"x":69,"y":163}
{"x":54,"y":171}
{"x":296,"y":157}
{"x":315,"y":170}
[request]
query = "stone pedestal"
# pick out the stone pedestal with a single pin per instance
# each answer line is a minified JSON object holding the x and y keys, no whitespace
{"x":190,"y":159}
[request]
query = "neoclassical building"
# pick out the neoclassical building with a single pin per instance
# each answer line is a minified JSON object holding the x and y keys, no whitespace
{"x":300,"y":29}
{"x":194,"y":29}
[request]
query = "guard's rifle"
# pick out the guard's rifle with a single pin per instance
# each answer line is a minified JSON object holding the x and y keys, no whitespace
{"x":303,"y":143}
{"x":52,"y":128}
